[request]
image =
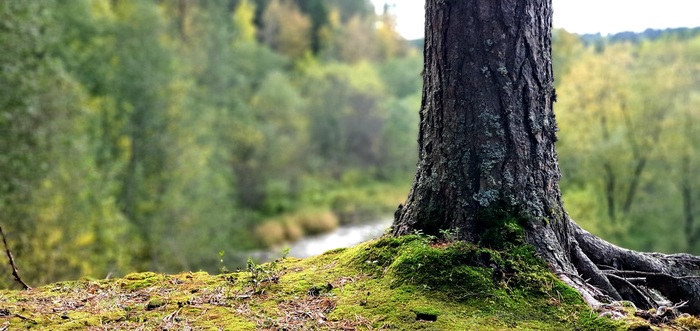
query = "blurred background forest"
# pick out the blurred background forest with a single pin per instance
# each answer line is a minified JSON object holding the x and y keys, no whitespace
{"x":157,"y":134}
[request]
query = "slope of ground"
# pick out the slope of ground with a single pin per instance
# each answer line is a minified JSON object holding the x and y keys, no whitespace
{"x":408,"y":283}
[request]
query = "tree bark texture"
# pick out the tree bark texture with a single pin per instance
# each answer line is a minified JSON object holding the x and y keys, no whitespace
{"x":487,"y":141}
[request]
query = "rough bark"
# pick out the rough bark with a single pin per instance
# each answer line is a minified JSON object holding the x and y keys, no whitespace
{"x":487,"y":136}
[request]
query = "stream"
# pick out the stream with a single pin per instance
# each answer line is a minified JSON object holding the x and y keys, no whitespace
{"x":344,"y":236}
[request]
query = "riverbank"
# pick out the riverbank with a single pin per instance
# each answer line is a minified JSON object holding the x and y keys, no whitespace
{"x":409,"y":283}
{"x":343,"y":236}
{"x":323,"y":211}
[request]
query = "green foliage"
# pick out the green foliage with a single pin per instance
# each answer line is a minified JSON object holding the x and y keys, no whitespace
{"x":626,"y":145}
{"x":148,"y":135}
{"x":58,"y":208}
{"x":568,"y":50}
{"x":285,"y":29}
{"x":243,"y":22}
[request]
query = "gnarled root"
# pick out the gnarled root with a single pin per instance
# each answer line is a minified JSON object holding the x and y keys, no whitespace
{"x":649,"y":280}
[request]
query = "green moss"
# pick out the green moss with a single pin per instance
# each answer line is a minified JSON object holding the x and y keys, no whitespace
{"x":335,"y":251}
{"x":318,"y":290}
{"x":457,"y":268}
{"x":500,"y":228}
{"x":407,"y":283}
{"x":472,"y":285}
{"x":639,"y":326}
{"x":156,"y":303}
{"x":136,"y":281}
{"x":688,"y":322}
{"x":378,"y":255}
{"x":140,"y":275}
{"x":426,"y":313}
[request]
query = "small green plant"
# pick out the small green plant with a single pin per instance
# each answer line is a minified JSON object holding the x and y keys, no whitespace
{"x":428,"y":237}
{"x":222,"y":267}
{"x":267,"y":273}
{"x":450,"y":235}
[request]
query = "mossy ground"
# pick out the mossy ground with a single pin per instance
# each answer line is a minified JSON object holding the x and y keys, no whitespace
{"x":408,"y":283}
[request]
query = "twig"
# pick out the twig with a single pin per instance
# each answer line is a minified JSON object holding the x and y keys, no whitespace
{"x":15,"y":272}
{"x":645,"y":274}
{"x":25,"y":318}
{"x":680,"y":304}
{"x":171,"y":316}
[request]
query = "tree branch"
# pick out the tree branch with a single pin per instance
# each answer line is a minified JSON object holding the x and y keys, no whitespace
{"x":15,"y":272}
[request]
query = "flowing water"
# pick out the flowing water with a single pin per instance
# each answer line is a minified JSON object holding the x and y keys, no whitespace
{"x":344,"y":236}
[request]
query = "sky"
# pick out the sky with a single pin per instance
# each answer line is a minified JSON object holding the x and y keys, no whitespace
{"x":589,"y":16}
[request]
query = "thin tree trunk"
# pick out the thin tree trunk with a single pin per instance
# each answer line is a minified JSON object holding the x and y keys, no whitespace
{"x":182,"y":8}
{"x":691,"y":232}
{"x":609,"y":178}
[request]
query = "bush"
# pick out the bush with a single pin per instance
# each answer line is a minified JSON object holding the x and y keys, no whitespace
{"x":318,"y":222}
{"x":291,"y":228}
{"x":270,"y":232}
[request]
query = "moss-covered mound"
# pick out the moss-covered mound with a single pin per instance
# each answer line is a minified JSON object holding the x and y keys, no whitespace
{"x":409,"y":283}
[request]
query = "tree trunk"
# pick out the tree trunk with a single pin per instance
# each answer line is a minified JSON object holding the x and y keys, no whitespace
{"x":486,"y":147}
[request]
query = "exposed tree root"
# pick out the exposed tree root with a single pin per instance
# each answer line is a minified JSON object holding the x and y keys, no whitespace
{"x":605,"y":273}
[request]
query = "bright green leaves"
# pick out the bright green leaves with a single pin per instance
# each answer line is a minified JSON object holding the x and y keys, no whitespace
{"x":625,"y":111}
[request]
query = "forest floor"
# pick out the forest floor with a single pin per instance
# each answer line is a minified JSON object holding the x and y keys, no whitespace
{"x":408,"y":283}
